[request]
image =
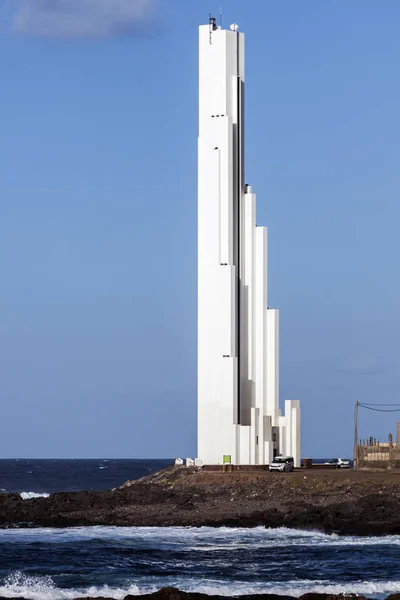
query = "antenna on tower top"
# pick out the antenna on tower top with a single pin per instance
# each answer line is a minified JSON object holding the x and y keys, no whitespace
{"x":220,"y":15}
{"x":213,"y":25}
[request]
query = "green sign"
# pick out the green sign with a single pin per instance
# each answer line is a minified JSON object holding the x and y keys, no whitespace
{"x":227,"y":459}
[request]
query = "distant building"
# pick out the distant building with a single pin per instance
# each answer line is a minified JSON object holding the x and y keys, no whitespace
{"x":239,"y":419}
{"x":375,"y":454}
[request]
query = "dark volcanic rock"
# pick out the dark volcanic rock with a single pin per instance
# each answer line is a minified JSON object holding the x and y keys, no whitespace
{"x":331,"y":597}
{"x":347,"y":503}
{"x":171,"y":593}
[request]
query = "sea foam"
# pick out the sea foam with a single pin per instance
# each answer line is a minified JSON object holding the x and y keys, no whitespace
{"x":30,"y":495}
{"x":195,"y":538}
{"x":18,"y":585}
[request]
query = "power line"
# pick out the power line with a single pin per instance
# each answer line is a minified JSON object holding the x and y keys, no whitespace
{"x":377,"y":404}
{"x":388,"y":410}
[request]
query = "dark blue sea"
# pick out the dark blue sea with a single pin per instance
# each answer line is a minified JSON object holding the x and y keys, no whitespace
{"x":38,"y":477}
{"x":58,"y":564}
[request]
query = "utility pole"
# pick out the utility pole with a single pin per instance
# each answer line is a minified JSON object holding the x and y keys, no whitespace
{"x":355,"y":436}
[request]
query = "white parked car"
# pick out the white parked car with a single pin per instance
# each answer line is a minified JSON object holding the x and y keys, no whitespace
{"x":340,"y":463}
{"x":282,"y":463}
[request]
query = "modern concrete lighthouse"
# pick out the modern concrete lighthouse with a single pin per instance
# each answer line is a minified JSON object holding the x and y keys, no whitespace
{"x":238,"y":336}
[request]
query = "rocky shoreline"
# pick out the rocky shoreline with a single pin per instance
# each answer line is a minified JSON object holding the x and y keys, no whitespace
{"x":351,"y":503}
{"x":175,"y":594}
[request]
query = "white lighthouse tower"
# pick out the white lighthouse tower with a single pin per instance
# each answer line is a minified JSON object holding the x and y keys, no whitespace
{"x":239,"y":419}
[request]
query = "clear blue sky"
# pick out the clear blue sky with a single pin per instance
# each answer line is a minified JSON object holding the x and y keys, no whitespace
{"x":98,"y":256}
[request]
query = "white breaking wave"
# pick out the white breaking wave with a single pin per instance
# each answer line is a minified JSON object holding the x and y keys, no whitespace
{"x":30,"y":495}
{"x":376,"y":589}
{"x":200,"y":539}
{"x":19,"y":585}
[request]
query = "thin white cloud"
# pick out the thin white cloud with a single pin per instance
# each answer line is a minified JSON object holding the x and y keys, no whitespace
{"x":70,"y":19}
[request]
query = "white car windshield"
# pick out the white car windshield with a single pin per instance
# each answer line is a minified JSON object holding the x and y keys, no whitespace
{"x":280,"y":459}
